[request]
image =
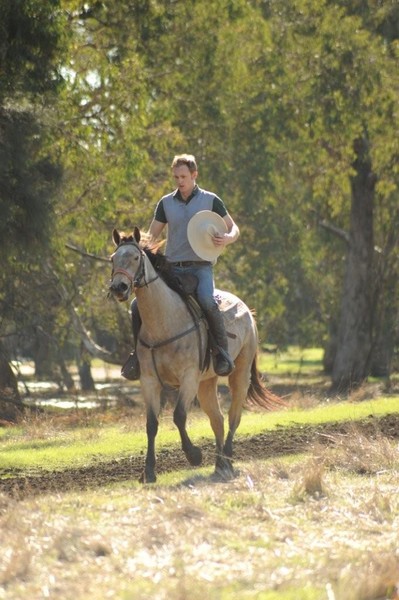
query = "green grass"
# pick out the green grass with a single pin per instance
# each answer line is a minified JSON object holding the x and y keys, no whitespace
{"x":27,"y":448}
{"x":41,"y":445}
{"x":62,"y":449}
{"x":292,"y":361}
{"x":254,"y":423}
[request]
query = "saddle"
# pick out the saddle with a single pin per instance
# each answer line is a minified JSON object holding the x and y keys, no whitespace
{"x":188,"y":283}
{"x":228,"y":305}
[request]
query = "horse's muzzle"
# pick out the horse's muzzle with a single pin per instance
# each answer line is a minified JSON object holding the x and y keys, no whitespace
{"x":120,"y":291}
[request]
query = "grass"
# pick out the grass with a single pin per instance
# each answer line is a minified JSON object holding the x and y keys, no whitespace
{"x":281,"y":530}
{"x":292,"y":361}
{"x":322,"y":526}
{"x":40,"y":445}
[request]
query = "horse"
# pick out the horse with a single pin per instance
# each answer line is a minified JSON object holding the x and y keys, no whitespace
{"x":173,"y":351}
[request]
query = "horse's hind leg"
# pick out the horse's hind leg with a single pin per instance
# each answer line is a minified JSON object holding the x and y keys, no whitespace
{"x":184,"y":400}
{"x":238,"y":383}
{"x":208,"y":399}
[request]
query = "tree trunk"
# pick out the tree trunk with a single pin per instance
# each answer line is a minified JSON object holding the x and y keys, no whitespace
{"x":351,"y":363}
{"x":86,"y":379}
{"x":382,"y":355}
{"x":67,"y":378}
{"x":11,"y":406}
{"x":44,"y":356}
{"x":386,"y":338}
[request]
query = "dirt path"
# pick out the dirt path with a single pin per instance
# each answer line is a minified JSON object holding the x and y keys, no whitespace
{"x":267,"y":445}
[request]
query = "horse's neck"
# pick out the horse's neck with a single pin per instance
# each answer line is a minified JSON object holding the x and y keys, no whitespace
{"x":161,"y":309}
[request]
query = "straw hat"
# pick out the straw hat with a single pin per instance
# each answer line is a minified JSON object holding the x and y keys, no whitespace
{"x":200,"y":229}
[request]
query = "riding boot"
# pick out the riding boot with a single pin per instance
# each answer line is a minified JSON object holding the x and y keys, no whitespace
{"x":131,"y":368}
{"x":222,"y":362}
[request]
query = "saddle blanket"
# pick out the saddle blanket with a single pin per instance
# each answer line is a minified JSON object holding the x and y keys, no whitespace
{"x":231,"y":306}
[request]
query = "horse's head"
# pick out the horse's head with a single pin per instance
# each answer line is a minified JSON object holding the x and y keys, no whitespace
{"x":128,"y":269}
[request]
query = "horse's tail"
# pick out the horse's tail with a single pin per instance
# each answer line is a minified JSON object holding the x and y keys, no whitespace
{"x":258,"y":394}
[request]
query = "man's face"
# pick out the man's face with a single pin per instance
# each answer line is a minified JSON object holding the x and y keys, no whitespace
{"x":185,"y":180}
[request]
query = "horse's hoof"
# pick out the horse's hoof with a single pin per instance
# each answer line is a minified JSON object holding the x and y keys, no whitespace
{"x":147,"y":477}
{"x":224,"y":470}
{"x":222,"y":476}
{"x":194,"y":456}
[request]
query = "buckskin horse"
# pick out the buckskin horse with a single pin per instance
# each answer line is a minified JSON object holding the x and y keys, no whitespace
{"x":173,"y":351}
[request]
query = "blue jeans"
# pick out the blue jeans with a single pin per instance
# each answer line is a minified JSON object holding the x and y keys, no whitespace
{"x":206,"y":287}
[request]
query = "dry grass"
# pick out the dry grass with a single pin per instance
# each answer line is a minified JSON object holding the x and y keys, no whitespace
{"x":299,"y":400}
{"x":311,"y":482}
{"x":325,"y":526}
{"x":367,"y":391}
{"x":358,"y":453}
{"x":377,"y":578}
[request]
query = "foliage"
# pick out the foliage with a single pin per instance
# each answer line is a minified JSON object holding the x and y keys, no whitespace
{"x":30,"y":33}
{"x":29,"y":53}
{"x":272,"y":98}
{"x":30,"y":50}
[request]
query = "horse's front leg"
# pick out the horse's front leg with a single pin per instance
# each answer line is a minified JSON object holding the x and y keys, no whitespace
{"x":148,"y":475}
{"x":152,"y":399}
{"x":184,"y":400}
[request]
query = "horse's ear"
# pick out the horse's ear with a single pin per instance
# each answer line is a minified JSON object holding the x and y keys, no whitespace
{"x":136,"y":234}
{"x":116,"y":237}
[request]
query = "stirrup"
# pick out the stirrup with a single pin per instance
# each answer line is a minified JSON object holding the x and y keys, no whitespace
{"x":222,"y":363}
{"x":131,"y":368}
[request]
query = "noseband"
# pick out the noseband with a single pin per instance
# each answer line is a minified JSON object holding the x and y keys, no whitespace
{"x":139,"y":280}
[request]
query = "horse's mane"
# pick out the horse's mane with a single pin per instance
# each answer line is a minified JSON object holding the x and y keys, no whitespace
{"x":157,"y":259}
{"x":163,"y":268}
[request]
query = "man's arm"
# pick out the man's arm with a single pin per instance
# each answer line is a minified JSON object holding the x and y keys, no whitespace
{"x":232,"y":230}
{"x":155,"y":230}
{"x":224,"y":239}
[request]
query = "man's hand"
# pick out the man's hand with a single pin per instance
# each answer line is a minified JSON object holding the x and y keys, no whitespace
{"x":220,"y":239}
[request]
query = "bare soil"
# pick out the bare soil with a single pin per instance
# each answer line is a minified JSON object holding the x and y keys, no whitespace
{"x":294,"y":440}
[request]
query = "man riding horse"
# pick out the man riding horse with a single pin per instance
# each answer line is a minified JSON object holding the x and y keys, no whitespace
{"x":191,"y":250}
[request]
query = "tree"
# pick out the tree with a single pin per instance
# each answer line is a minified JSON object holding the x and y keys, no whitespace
{"x":361,"y":102}
{"x":353,"y":121}
{"x":311,"y":114}
{"x":29,"y":46}
{"x":291,"y":118}
{"x":11,"y":405}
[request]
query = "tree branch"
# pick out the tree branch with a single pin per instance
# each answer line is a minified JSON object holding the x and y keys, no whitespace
{"x":83,"y":253}
{"x":85,"y":336}
{"x":344,"y":235}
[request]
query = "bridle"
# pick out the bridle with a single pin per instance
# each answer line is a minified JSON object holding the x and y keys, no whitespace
{"x":139,"y":280}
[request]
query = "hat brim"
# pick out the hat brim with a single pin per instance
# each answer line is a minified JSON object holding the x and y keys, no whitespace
{"x":200,"y":230}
